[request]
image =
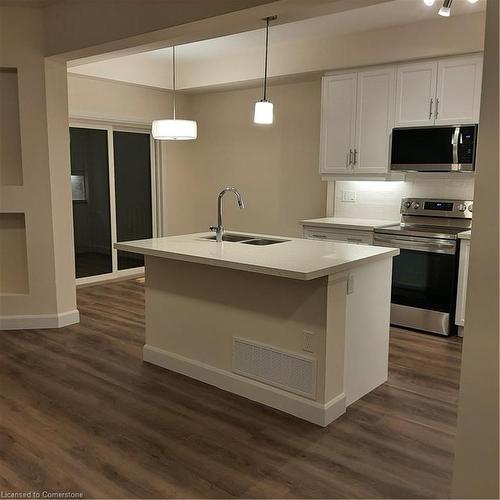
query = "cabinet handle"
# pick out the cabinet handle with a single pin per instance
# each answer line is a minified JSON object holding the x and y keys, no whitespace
{"x":437,"y":109}
{"x":430,"y":108}
{"x":354,"y":240}
{"x":350,"y":157}
{"x":355,"y":156}
{"x":319,"y":236}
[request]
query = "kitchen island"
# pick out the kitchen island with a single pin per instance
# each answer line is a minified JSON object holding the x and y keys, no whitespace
{"x":298,"y":325}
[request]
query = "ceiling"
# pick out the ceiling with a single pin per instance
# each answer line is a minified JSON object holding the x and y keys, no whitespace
{"x":154,"y":68}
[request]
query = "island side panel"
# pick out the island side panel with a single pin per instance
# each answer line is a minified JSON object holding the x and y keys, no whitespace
{"x":367,"y":329}
{"x":195,"y":310}
{"x":335,"y":340}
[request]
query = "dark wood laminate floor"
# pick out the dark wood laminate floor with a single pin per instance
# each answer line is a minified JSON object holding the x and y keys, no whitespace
{"x":80,"y":411}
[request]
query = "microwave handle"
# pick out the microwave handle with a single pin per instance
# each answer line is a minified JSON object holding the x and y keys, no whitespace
{"x":454,"y":143}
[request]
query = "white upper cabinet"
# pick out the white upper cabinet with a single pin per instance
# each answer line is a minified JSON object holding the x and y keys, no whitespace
{"x":360,"y":109}
{"x":356,"y":121}
{"x":374,"y":119}
{"x":443,"y":92}
{"x":458,"y":90}
{"x":338,"y":115}
{"x":415,"y":94}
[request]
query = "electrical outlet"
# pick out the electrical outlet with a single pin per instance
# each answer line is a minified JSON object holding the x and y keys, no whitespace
{"x":307,"y":341}
{"x":349,"y":196}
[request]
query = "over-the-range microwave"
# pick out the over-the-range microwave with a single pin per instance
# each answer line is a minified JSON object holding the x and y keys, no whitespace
{"x":434,"y":149}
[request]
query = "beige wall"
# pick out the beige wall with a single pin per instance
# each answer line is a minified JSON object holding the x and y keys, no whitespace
{"x":429,"y":38}
{"x":275,"y":167}
{"x":44,"y":196}
{"x":73,"y":25}
{"x":11,"y":170}
{"x":13,"y":262}
{"x":476,"y":472}
{"x":231,"y":60}
{"x":108,"y":100}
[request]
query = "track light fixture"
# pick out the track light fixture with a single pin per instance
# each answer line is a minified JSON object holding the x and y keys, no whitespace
{"x":445,"y":10}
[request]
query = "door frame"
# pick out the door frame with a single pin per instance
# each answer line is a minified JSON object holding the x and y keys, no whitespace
{"x":111,"y":126}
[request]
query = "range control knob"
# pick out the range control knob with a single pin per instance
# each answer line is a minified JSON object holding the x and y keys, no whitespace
{"x":407,"y":204}
{"x":462,"y":207}
{"x":470,"y":207}
{"x":416,"y":205}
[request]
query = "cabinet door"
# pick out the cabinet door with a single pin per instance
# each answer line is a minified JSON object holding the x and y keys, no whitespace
{"x":375,"y":116}
{"x":338,"y":116}
{"x":342,"y":235}
{"x":415,"y":94}
{"x":459,"y":90}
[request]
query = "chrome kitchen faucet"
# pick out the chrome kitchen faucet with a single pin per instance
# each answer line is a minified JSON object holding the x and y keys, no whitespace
{"x":219,"y":228}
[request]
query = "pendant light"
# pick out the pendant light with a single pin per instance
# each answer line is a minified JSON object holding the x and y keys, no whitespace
{"x":263,"y":113}
{"x":174,"y":129}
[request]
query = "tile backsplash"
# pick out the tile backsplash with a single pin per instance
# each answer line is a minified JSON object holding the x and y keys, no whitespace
{"x":381,"y":200}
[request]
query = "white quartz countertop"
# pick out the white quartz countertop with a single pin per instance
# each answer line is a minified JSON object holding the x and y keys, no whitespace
{"x":465,"y":235}
{"x":295,"y":258}
{"x":349,"y":223}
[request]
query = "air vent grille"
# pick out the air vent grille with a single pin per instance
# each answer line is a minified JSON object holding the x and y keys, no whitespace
{"x":286,"y":370}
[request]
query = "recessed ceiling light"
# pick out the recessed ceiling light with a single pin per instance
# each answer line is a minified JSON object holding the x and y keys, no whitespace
{"x":430,"y":3}
{"x":473,"y":1}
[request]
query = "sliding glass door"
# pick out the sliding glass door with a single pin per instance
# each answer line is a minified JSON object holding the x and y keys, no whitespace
{"x":112,"y":180}
{"x":134,"y":214}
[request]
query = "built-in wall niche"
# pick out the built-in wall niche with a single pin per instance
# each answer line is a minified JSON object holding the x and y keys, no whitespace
{"x":11,"y":171}
{"x":13,"y":255}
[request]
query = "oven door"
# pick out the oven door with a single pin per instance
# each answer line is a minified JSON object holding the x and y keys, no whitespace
{"x":424,"y":281}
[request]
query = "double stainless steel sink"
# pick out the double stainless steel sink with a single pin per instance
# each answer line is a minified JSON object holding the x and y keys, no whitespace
{"x":246,"y":239}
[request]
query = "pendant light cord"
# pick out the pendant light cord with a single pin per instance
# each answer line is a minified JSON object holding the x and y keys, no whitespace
{"x":173,"y":76}
{"x":265,"y":63}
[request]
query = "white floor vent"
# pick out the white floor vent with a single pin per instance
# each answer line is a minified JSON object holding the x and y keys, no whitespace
{"x":287,"y":370}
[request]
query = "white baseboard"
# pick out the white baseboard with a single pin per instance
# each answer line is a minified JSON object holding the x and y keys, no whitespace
{"x":312,"y":411}
{"x":29,"y":322}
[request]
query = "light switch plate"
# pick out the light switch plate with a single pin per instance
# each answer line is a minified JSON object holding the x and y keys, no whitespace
{"x":349,"y":196}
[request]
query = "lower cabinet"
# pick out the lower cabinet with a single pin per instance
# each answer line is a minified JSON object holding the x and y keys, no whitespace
{"x":463,"y":272}
{"x":352,"y":236}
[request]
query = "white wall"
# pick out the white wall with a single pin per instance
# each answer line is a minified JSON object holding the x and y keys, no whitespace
{"x":381,"y":200}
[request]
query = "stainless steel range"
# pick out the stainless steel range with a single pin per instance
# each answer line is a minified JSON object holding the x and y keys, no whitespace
{"x":424,"y":279}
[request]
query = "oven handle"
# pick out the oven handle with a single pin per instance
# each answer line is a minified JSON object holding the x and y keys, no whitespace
{"x":409,"y":243}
